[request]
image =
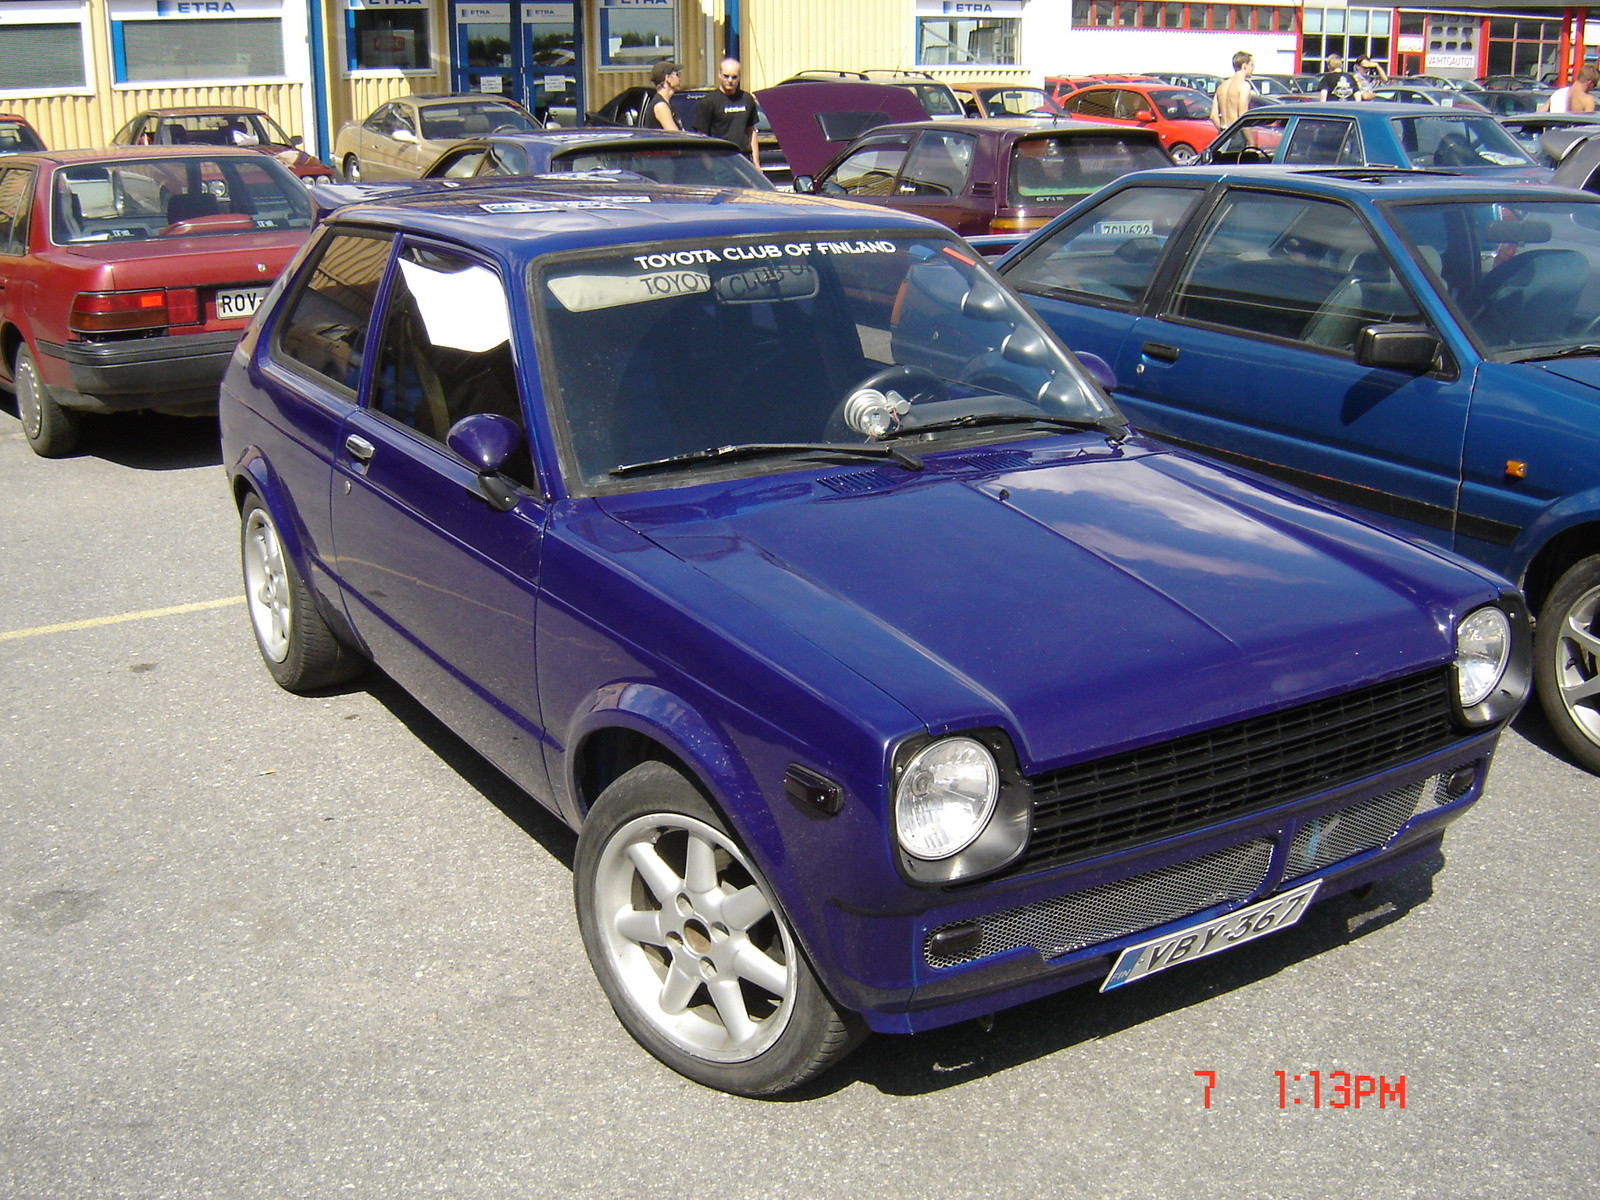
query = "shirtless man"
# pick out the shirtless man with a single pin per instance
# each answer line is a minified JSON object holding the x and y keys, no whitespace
{"x":1232,"y":100}
{"x":1578,"y":96}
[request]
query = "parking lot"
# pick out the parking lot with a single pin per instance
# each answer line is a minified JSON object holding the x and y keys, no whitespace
{"x":254,"y":944}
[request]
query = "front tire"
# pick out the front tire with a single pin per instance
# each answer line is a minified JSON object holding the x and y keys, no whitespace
{"x":1183,"y":155}
{"x":690,"y":946}
{"x":352,"y":169}
{"x":298,"y":648}
{"x":52,"y":431}
{"x":1566,"y":661}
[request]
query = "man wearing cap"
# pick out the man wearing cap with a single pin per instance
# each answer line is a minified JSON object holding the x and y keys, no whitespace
{"x":658,"y":115}
{"x":729,"y":112}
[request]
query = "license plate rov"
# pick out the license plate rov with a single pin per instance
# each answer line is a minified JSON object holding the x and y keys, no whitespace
{"x":1209,"y":937}
{"x":239,"y":302}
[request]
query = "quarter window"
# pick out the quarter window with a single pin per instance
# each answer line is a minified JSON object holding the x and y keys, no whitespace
{"x":325,"y":329}
{"x":1111,"y":251}
{"x":16,"y":186}
{"x":1290,"y":267}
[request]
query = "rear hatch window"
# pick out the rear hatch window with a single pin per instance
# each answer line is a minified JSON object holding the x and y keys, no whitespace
{"x":1058,"y":168}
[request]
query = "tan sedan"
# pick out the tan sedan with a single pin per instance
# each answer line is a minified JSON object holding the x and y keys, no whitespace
{"x":404,"y":135}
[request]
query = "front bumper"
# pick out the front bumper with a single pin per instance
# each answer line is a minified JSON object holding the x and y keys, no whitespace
{"x":174,"y":373}
{"x":989,"y":947}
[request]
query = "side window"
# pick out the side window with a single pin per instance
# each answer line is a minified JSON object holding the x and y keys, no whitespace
{"x":459,"y":164}
{"x":1109,"y":252}
{"x":1290,"y":267}
{"x":506,"y":159}
{"x":938,"y":165}
{"x":1128,"y":105}
{"x":870,"y":171}
{"x":16,"y":186}
{"x":1319,"y":140}
{"x":1255,"y":139}
{"x":1093,"y":104}
{"x":382,"y":119}
{"x":445,"y":352}
{"x":324,"y":329}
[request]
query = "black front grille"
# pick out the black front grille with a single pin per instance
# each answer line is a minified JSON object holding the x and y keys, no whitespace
{"x":1249,"y":766}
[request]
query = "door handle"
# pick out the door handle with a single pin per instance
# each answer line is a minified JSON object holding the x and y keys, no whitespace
{"x":360,"y":449}
{"x":1159,"y":352}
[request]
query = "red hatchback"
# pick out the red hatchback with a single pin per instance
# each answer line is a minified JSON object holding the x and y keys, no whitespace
{"x":1180,"y":116}
{"x":127,"y":277}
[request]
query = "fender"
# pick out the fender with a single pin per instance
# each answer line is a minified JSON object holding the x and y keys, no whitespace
{"x":1579,"y":508}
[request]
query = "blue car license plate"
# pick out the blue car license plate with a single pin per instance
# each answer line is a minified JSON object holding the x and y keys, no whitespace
{"x":1209,"y":937}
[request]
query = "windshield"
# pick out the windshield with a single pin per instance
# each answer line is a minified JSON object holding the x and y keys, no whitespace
{"x":800,"y":339}
{"x":1057,"y":169}
{"x":1018,"y":102}
{"x":17,"y":138}
{"x":694,"y":167}
{"x":1182,"y":104}
{"x":1525,"y":277}
{"x":220,"y":129}
{"x":1458,"y":140}
{"x":134,"y":199}
{"x":443,"y":122}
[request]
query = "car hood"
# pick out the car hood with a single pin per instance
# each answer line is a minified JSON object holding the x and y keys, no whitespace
{"x":1578,"y":370}
{"x":1088,"y":601}
{"x":814,"y":121}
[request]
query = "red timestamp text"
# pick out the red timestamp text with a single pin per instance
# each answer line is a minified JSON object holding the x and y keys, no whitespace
{"x":1325,"y":1089}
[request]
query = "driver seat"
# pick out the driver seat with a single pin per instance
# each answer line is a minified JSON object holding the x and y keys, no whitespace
{"x":186,"y":206}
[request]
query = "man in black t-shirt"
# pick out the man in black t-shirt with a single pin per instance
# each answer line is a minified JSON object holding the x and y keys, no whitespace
{"x":729,"y":112}
{"x":1338,"y":84}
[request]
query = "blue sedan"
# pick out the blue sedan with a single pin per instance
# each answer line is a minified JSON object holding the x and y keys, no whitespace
{"x":1424,"y":348}
{"x":1375,"y":134}
{"x":777,"y":548}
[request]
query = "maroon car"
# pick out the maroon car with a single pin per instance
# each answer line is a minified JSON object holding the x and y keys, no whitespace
{"x":128,"y":274}
{"x":223,"y":125}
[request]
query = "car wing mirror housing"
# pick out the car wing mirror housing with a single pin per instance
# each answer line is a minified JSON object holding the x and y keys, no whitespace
{"x":487,"y":441}
{"x":403,"y":135}
{"x":805,"y":184}
{"x":1399,"y":347}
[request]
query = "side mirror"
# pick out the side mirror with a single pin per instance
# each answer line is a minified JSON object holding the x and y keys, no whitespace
{"x":296,"y":140}
{"x":1098,"y":369}
{"x":487,"y":441}
{"x":1144,"y":115}
{"x":1400,"y":347}
{"x":805,"y":184}
{"x":403,"y":135}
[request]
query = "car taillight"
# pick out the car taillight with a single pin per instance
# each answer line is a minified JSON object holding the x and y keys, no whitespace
{"x":124,"y":312}
{"x":1016,"y":224}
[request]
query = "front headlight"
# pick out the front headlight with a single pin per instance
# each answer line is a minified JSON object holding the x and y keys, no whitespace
{"x":1483,"y":648}
{"x":945,"y":798}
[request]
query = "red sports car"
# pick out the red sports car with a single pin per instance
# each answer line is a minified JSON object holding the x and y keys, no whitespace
{"x":1180,"y":116}
{"x":127,"y":276}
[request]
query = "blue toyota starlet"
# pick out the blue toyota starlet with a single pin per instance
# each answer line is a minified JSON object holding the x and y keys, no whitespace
{"x":771,"y":543}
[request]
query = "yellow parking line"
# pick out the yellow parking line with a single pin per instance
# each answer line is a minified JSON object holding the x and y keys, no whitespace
{"x":93,"y":622}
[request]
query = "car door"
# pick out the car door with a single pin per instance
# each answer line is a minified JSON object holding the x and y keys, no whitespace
{"x":869,"y":171}
{"x":439,"y":581}
{"x":380,"y":152}
{"x":16,"y":281}
{"x":1250,"y":355}
{"x":933,"y":180}
{"x":1088,"y":277}
{"x":1250,"y":139}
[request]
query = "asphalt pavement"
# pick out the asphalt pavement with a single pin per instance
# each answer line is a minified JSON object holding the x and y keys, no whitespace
{"x":261,"y":945}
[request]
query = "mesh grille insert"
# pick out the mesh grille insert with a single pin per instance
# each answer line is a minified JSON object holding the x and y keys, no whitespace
{"x":1365,"y":826}
{"x":1250,"y":766}
{"x":1065,"y":923}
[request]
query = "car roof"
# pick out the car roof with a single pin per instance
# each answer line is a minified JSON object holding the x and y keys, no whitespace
{"x":201,"y":110}
{"x":1013,"y":126}
{"x":1374,"y":110}
{"x":562,"y":139}
{"x":1369,"y":183}
{"x":113,"y":153}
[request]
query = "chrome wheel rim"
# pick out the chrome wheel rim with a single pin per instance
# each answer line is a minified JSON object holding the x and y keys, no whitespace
{"x":693,"y":938}
{"x":1578,"y":664}
{"x":28,"y":407}
{"x":352,"y":169}
{"x":1183,"y":156}
{"x":266,"y":585}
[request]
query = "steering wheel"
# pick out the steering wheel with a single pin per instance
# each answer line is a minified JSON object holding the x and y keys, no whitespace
{"x":918,"y":385}
{"x":1529,"y":294}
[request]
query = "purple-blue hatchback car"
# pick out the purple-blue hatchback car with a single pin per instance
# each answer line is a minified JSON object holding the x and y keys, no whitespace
{"x":774,"y":546}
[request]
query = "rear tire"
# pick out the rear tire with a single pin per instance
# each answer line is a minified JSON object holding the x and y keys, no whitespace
{"x":1566,"y":661}
{"x":691,"y":947}
{"x":298,"y":648}
{"x":52,"y":431}
{"x":1184,"y":155}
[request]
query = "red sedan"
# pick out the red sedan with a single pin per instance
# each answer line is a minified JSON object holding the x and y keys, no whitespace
{"x":1180,"y":116}
{"x":127,"y":277}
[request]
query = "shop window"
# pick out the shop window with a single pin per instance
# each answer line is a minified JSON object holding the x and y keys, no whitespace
{"x":41,"y":46}
{"x":636,"y":33}
{"x":384,"y":37}
{"x":942,"y":41}
{"x":146,"y":51}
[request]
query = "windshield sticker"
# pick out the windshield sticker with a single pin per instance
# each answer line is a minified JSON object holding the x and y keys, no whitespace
{"x":691,"y":258}
{"x":463,"y":310}
{"x":530,"y":206}
{"x":586,"y":293}
{"x":1125,"y":228}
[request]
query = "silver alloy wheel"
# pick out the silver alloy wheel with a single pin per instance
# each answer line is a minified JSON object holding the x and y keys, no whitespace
{"x":352,"y":169}
{"x":29,"y":408}
{"x":1183,"y":155}
{"x":1578,"y":663}
{"x":266,"y":582}
{"x":693,"y":938}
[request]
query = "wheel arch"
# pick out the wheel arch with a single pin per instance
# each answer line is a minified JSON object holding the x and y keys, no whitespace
{"x":11,"y":339}
{"x":1553,"y":558}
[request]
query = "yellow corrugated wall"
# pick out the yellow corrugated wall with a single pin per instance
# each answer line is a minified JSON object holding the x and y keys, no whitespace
{"x":781,"y":37}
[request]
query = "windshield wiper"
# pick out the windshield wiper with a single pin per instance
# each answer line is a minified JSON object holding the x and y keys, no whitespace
{"x":1580,"y":351}
{"x":761,"y":449}
{"x":1114,"y":433}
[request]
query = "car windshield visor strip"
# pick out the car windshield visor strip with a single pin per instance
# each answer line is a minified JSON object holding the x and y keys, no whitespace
{"x":749,"y":351}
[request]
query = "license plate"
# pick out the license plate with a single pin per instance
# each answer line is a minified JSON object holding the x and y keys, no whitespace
{"x":239,"y":302}
{"x":1209,"y":937}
